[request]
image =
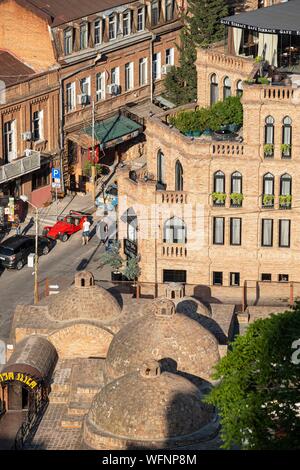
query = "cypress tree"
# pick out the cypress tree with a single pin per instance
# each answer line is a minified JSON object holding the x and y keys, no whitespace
{"x":201,"y":28}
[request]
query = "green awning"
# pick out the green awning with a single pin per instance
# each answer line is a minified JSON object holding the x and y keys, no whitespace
{"x":114,"y":130}
{"x":108,"y":132}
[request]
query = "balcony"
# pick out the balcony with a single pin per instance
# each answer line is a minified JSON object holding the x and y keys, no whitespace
{"x":20,"y":167}
{"x":219,"y":199}
{"x":174,"y":251}
{"x":285,"y":202}
{"x":268,"y":201}
{"x":173,"y":197}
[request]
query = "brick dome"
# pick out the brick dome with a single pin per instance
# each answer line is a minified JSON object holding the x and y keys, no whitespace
{"x":163,"y":334}
{"x":83,"y":301}
{"x":145,"y":405}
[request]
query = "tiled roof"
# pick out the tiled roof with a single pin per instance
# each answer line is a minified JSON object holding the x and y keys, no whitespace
{"x":12,"y":70}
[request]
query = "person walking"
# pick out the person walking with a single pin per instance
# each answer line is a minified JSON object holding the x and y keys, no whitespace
{"x":86,"y":231}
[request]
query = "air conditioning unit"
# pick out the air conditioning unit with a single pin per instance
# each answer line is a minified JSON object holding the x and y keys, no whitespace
{"x":166,"y":69}
{"x":113,"y":89}
{"x":26,"y":136}
{"x":28,"y":152}
{"x":83,"y":99}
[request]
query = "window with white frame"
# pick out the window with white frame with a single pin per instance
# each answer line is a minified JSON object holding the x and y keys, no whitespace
{"x":9,"y":137}
{"x":100,"y":86}
{"x":112,"y":27}
{"x":129,"y":76}
{"x":143,"y":67}
{"x":154,"y":12}
{"x":85,"y":86}
{"x":126,"y":23}
{"x":97,"y":32}
{"x":284,"y":233}
{"x":141,"y":19}
{"x":37,"y":125}
{"x":115,"y":76}
{"x":156,"y":66}
{"x":71,"y":103}
{"x":169,"y":9}
{"x":83,"y":36}
{"x":68,"y":41}
{"x":170,"y":56}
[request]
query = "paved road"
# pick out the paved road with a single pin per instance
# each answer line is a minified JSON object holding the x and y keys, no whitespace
{"x":59,"y":266}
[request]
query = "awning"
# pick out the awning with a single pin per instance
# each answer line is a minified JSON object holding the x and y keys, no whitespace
{"x":164,"y":102}
{"x":32,"y":362}
{"x":108,"y":133}
{"x":283,"y":18}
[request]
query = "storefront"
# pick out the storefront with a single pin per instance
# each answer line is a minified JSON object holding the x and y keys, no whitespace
{"x":25,"y":379}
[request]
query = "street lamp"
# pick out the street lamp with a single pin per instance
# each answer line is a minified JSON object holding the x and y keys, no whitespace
{"x":36,"y":290}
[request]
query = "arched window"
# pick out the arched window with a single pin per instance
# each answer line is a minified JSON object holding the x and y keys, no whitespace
{"x":269,"y":184}
{"x":239,"y":88}
{"x":268,"y":190}
{"x":226,"y":88}
{"x":236,"y":182}
{"x":219,"y":182}
{"x":160,"y":168}
{"x":285,"y":198}
{"x":286,"y":137}
{"x":174,"y":231}
{"x":178,"y":176}
{"x":214,"y":89}
{"x":269,"y":136}
{"x":285,"y":185}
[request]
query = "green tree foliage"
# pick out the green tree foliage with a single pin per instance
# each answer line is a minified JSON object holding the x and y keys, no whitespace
{"x":222,"y":113}
{"x":258,"y":392}
{"x":132,"y":270}
{"x":201,"y":28}
{"x":112,"y":258}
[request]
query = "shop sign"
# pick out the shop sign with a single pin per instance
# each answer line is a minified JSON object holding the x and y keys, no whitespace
{"x":18,"y":377}
{"x":130,"y":248}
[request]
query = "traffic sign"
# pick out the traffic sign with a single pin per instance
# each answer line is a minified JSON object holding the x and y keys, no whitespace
{"x":55,"y":173}
{"x":55,"y":185}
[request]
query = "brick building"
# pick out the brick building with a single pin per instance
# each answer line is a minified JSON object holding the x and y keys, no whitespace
{"x":110,"y":53}
{"x":255,"y":240}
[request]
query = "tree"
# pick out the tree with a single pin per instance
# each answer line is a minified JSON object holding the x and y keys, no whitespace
{"x":201,"y":27}
{"x":112,"y":258}
{"x":258,"y":394}
{"x":132,"y":270}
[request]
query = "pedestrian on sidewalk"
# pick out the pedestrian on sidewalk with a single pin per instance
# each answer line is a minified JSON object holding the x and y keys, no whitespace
{"x":86,"y":231}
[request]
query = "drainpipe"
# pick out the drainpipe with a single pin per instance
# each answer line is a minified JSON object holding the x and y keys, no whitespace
{"x":153,"y":38}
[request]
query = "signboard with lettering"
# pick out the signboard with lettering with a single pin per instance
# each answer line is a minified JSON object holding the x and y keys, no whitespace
{"x":130,"y":248}
{"x":18,"y":377}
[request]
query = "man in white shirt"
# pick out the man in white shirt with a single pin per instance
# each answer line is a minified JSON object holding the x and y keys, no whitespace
{"x":86,"y":231}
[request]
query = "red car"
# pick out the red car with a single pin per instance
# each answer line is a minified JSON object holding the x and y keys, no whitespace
{"x":67,"y":225}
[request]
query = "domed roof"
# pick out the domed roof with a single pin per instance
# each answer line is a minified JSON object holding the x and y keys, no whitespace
{"x":83,"y":301}
{"x":148,"y":405}
{"x":163,"y":334}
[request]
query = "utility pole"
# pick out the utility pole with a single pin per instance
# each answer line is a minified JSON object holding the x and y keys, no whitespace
{"x":93,"y":168}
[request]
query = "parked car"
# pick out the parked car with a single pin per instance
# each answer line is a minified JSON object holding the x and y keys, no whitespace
{"x":14,"y":251}
{"x":66,"y":226}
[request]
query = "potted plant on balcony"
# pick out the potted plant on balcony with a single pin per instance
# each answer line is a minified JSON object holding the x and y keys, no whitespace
{"x":236,"y":199}
{"x":285,"y":202}
{"x":263,"y":81}
{"x":250,"y":81}
{"x":268,"y":200}
{"x":285,"y":150}
{"x":268,"y":150}
{"x":219,"y":198}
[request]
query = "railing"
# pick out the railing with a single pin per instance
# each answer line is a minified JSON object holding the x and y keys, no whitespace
{"x":173,"y":197}
{"x":20,"y":167}
{"x":174,"y":251}
{"x":30,"y":425}
{"x":281,"y":93}
{"x":227,"y":150}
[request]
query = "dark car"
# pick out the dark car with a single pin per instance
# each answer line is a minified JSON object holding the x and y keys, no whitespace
{"x":14,"y":251}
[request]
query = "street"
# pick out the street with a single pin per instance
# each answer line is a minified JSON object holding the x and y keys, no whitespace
{"x":59,"y":266}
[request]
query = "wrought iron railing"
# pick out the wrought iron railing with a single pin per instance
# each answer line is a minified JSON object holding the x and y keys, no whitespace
{"x":29,"y":427}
